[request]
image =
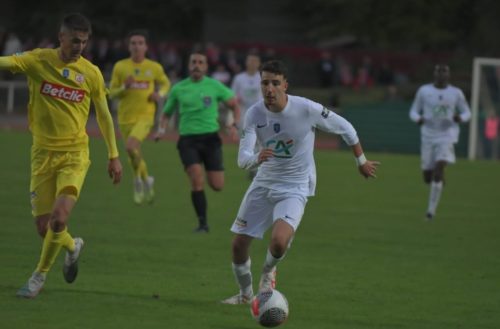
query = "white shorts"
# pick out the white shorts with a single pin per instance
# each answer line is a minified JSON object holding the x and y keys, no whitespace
{"x":261,"y":207}
{"x":434,"y":152}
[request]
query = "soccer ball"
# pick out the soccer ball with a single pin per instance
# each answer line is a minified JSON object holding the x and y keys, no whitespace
{"x":269,"y":308}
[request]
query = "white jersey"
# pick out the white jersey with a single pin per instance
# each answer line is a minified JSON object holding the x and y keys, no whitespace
{"x":247,"y":89}
{"x":437,"y":108}
{"x":290,"y":134}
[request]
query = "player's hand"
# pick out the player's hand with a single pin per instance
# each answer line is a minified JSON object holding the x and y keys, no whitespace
{"x":232,"y":132}
{"x":154,"y":97}
{"x":115,"y":170}
{"x":369,"y":169}
{"x":457,"y":118}
{"x":159,"y":134}
{"x":129,"y":81}
{"x":264,"y":155}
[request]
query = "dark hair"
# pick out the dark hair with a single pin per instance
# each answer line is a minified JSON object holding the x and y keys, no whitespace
{"x":142,"y":32}
{"x":76,"y":22}
{"x":276,"y":67}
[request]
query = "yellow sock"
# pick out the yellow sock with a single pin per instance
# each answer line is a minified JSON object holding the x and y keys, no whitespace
{"x":143,"y":170}
{"x":52,"y":244}
{"x":135,"y":162}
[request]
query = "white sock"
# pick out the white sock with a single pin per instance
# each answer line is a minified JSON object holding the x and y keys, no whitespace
{"x":271,"y":262}
{"x":243,"y":276}
{"x":434,"y":196}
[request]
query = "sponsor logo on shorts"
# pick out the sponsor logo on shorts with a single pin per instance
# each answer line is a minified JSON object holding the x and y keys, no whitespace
{"x":241,"y":222}
{"x":138,"y":84}
{"x":33,"y":196}
{"x":62,"y":92}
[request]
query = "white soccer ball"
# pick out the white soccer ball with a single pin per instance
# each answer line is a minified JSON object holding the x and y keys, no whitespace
{"x":269,"y":308}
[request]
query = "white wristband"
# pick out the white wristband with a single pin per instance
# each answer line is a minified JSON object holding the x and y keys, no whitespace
{"x":361,"y":160}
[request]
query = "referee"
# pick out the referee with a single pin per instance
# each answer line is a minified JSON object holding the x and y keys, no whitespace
{"x":197,"y":99}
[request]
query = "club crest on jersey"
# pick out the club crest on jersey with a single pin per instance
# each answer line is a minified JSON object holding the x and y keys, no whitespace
{"x":276,"y":127}
{"x":137,"y":71}
{"x":65,"y":73}
{"x":207,"y":101}
{"x":79,"y":78}
{"x":325,"y":113}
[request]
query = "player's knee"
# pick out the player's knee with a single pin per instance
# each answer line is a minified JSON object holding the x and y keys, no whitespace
{"x":217,"y":187}
{"x":239,"y":247}
{"x":278,"y":247}
{"x":42,"y":226}
{"x":58,"y":219}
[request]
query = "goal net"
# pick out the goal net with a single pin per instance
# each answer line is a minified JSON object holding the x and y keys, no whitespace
{"x":485,"y":106}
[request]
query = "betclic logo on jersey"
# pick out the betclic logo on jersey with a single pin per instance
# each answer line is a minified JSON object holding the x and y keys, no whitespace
{"x":62,"y":92}
{"x":138,"y":84}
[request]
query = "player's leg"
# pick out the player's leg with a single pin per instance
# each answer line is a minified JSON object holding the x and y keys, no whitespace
{"x":41,"y":223}
{"x":64,"y":173}
{"x":212,"y":157}
{"x":288,"y":214}
{"x":444,"y":153}
{"x":252,"y":221}
{"x":137,"y":135}
{"x":428,"y":163}
{"x":132,"y":146}
{"x":43,"y":190}
{"x":198,"y":198}
{"x":191,"y":160}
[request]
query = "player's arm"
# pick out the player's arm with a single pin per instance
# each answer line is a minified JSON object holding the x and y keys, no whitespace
{"x":415,"y":110}
{"x":234,"y":106}
{"x":118,"y":86}
{"x":6,"y":63}
{"x":105,"y":121}
{"x":168,"y":110}
{"x":464,"y":112}
{"x":329,"y":121}
{"x":163,"y":85}
{"x":247,"y":159}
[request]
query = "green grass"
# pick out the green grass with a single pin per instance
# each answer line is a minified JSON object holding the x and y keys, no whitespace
{"x":363,"y":256}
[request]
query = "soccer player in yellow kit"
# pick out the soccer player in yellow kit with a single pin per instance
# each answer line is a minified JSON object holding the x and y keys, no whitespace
{"x":139,"y":83}
{"x":61,"y":85}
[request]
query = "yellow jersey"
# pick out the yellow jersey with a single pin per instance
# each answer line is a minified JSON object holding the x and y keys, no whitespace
{"x":133,"y":102}
{"x":60,"y":96}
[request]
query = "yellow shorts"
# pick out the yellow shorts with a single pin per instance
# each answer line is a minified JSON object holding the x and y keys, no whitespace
{"x":53,"y":172}
{"x":139,"y":130}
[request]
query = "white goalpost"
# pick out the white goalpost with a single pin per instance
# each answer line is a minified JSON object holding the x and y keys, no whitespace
{"x":484,"y":97}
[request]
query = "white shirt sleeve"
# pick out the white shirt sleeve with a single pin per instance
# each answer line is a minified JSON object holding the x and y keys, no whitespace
{"x":416,"y":107}
{"x":463,"y":107}
{"x":247,"y":159}
{"x":328,"y":121}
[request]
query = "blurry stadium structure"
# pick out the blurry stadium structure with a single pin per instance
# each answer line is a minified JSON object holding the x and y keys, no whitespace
{"x":485,"y":107}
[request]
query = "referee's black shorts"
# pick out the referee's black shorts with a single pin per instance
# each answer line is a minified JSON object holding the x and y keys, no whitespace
{"x":203,"y":148}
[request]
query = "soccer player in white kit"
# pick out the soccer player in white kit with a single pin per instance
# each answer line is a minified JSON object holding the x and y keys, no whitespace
{"x":438,"y":108}
{"x":246,"y":86}
{"x":284,"y":125}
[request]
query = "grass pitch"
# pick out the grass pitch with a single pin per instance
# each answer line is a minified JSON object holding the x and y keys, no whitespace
{"x":363,"y":256}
